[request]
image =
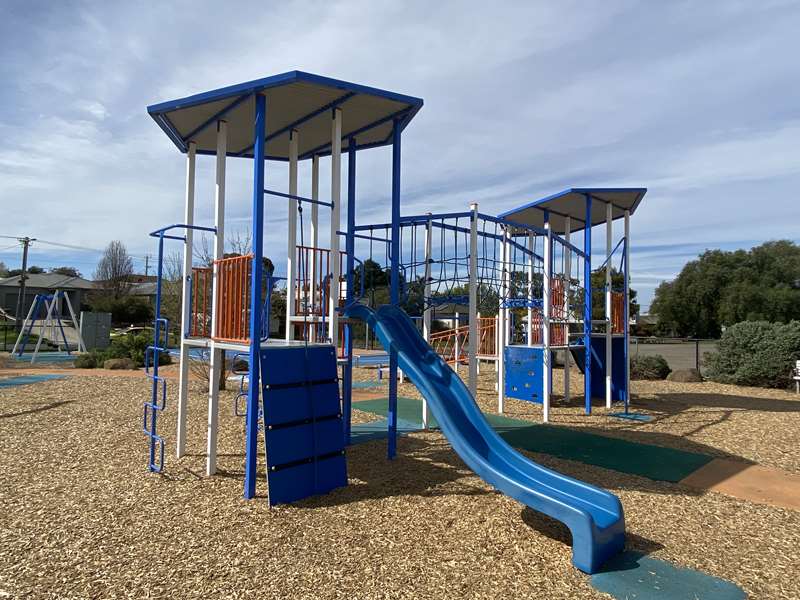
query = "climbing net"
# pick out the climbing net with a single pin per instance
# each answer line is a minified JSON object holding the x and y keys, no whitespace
{"x":509,"y":267}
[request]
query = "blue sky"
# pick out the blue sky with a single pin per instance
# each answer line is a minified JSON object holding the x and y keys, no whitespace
{"x":698,"y":101}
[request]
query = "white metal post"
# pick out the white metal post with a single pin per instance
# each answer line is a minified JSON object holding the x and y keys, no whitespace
{"x":81,"y":343}
{"x":473,"y":300}
{"x":217,"y":357}
{"x":530,"y":288}
{"x":567,"y":281}
{"x":291,"y":239}
{"x":24,"y":325}
{"x":456,"y":342}
{"x":186,"y":307}
{"x":313,"y":267}
{"x":546,"y":306}
{"x":609,"y":235}
{"x":336,"y":192}
{"x":427,"y":309}
{"x":627,"y":307}
{"x":502,"y":318}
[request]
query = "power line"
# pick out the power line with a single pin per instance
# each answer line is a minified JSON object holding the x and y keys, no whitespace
{"x":70,"y":246}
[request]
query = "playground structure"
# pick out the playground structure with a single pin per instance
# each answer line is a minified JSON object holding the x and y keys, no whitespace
{"x":47,"y":320}
{"x":522,"y":267}
{"x":538,"y":282}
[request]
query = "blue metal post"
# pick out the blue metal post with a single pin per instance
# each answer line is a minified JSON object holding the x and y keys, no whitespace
{"x":587,"y":307}
{"x":395,"y":286}
{"x":350,"y":248}
{"x":251,"y":451}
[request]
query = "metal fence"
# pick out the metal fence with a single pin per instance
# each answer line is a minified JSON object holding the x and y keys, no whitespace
{"x":680,"y":353}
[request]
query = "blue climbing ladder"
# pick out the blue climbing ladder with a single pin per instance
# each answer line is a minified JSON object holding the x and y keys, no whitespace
{"x":158,"y":398}
{"x":152,"y":355}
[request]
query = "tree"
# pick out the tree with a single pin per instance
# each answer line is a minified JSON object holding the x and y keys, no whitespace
{"x":33,"y":270}
{"x":115,"y":269}
{"x":617,"y":285}
{"x":68,"y":271}
{"x":722,"y":288}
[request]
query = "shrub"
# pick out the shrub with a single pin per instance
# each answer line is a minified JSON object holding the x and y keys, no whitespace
{"x":756,"y":353}
{"x":649,"y":367}
{"x":129,"y":347}
{"x":86,"y":361}
{"x":129,"y":309}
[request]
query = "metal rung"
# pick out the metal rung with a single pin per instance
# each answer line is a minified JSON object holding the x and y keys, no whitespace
{"x":157,"y":467}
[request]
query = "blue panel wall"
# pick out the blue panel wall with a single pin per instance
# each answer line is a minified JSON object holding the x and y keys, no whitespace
{"x":617,"y":367}
{"x":524,"y":373}
{"x":303,"y":425}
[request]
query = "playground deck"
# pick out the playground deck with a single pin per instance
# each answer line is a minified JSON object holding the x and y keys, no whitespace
{"x":78,"y":501}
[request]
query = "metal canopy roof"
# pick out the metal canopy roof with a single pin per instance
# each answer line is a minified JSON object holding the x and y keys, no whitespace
{"x":295,"y":100}
{"x":572,"y":203}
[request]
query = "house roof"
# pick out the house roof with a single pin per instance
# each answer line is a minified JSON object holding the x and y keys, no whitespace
{"x":572,"y":203}
{"x":49,"y":281}
{"x":144,"y":288}
{"x":295,"y":100}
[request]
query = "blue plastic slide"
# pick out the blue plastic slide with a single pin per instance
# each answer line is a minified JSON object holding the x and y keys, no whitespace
{"x":593,"y":515}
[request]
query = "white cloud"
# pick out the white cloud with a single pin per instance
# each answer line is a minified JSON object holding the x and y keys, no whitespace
{"x":697,"y":102}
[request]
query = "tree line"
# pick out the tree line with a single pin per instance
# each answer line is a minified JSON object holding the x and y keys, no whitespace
{"x":721,"y":288}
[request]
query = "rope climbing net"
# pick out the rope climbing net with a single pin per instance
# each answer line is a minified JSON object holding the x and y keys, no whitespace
{"x":435,"y":263}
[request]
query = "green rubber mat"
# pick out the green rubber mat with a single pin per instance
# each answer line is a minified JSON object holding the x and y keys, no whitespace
{"x":653,"y":462}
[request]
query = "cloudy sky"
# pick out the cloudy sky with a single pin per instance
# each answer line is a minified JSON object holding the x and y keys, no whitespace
{"x":697,"y":101}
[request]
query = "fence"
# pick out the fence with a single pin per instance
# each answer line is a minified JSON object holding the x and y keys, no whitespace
{"x":680,"y":353}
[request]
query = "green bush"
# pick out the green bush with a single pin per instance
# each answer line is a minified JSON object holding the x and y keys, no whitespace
{"x":86,"y":361}
{"x":128,"y":346}
{"x":649,"y":367}
{"x":129,"y":309}
{"x":756,"y":353}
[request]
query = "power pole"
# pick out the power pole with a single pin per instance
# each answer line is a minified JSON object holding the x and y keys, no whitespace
{"x":26,"y":241}
{"x":146,"y":265}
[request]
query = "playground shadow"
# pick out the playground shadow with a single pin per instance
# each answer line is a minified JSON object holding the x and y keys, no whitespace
{"x":557,"y":531}
{"x":422,"y":468}
{"x":38,"y":409}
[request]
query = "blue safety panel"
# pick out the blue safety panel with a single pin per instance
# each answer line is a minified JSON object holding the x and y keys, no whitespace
{"x":284,"y":365}
{"x":617,"y":367}
{"x":294,"y":483}
{"x":524,"y":373}
{"x":301,"y":442}
{"x":290,"y":404}
{"x":304,"y":432}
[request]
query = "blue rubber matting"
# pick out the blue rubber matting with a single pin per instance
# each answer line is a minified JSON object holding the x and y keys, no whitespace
{"x":632,"y":416}
{"x":46,"y":357}
{"x":634,"y":576}
{"x":27,"y":380}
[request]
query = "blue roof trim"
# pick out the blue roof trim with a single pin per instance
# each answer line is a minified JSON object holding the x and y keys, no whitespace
{"x":258,"y":85}
{"x":242,"y":91}
{"x":590,"y":191}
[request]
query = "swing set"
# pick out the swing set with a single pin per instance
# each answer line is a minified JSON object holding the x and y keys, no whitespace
{"x":46,"y":319}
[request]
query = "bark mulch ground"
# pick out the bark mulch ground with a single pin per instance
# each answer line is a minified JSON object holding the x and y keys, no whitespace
{"x":81,"y":516}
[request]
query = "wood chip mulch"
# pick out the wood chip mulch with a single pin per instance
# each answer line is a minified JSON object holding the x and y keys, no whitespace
{"x":82,"y":518}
